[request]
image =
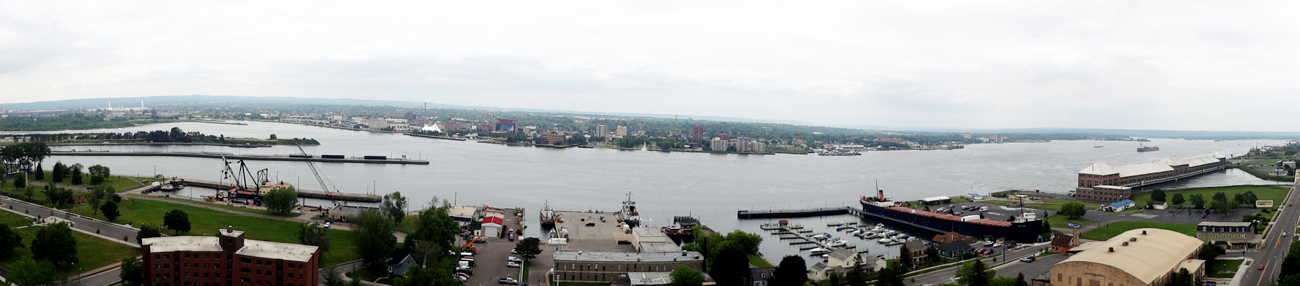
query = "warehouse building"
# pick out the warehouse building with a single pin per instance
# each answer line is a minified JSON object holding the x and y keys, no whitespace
{"x":1139,"y":257}
{"x":610,"y":267}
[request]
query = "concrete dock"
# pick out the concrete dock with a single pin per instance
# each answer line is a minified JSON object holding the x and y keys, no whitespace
{"x":335,"y":196}
{"x":213,"y":155}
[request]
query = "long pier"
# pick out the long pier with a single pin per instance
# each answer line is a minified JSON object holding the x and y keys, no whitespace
{"x":335,"y":196}
{"x":213,"y":155}
{"x":748,"y":214}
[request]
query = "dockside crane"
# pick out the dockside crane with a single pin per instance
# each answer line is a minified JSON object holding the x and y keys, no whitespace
{"x":319,"y":179}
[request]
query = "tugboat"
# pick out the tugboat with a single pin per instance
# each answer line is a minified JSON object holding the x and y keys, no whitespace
{"x":629,"y":215}
{"x":548,"y":216}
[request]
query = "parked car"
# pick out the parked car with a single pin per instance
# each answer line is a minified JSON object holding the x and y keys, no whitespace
{"x":1027,"y":259}
{"x":508,"y":280}
{"x":988,"y":243}
{"x":591,"y":224}
{"x":514,"y":251}
{"x":513,"y":264}
{"x":513,"y":259}
{"x":984,"y":209}
{"x":326,"y":225}
{"x":512,"y":237}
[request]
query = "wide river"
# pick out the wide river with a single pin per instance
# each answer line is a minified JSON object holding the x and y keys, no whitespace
{"x":708,"y":186}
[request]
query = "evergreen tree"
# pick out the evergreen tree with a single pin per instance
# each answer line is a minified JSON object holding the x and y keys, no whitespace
{"x":56,"y":174}
{"x":40,"y":173}
{"x":9,"y":239}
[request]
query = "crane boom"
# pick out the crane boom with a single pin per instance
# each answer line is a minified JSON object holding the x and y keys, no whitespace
{"x":319,"y":179}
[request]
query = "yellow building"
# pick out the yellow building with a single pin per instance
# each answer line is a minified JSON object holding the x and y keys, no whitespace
{"x":1139,"y":257}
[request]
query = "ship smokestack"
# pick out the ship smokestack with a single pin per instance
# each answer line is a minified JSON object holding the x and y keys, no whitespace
{"x":880,"y":195}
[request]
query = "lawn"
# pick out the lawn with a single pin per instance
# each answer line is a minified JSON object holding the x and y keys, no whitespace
{"x":119,"y":183}
{"x":1275,"y":193}
{"x":1106,"y":232}
{"x":759,"y":262}
{"x":235,"y":208}
{"x":1062,"y":221}
{"x":92,"y":252}
{"x":13,"y":220}
{"x":1047,"y":204}
{"x":206,"y":222}
{"x":1225,"y":268}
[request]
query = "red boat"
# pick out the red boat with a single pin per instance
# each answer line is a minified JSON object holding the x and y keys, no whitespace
{"x":1148,"y":148}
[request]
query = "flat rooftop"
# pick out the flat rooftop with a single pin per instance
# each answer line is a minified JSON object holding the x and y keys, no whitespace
{"x":601,"y":236}
{"x":628,"y":256}
{"x":277,"y":250}
{"x":183,"y":243}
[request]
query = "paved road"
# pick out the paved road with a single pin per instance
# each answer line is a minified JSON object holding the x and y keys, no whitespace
{"x":1275,"y":246}
{"x":946,"y":275}
{"x":111,"y":231}
{"x":103,"y":278}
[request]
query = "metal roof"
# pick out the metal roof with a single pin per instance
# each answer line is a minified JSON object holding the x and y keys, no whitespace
{"x":1149,"y":257}
{"x":627,"y":256}
{"x":1164,"y":165}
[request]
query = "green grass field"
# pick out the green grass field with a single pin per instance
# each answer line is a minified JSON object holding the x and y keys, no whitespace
{"x":206,"y":222}
{"x":759,"y":261}
{"x":1106,"y":232}
{"x":119,"y":183}
{"x":234,"y":208}
{"x":92,"y":252}
{"x":1063,"y":221}
{"x":1275,"y":193}
{"x":1225,"y":268}
{"x":13,"y":220}
{"x":1047,"y":204}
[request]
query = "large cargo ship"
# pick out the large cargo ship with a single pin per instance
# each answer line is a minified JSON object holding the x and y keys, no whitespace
{"x":548,"y":216}
{"x":1024,"y":228}
{"x":1142,"y":148}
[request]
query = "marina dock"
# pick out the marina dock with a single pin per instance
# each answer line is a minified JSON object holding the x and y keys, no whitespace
{"x":215,"y":155}
{"x":335,"y":196}
{"x":748,"y":214}
{"x":798,"y":237}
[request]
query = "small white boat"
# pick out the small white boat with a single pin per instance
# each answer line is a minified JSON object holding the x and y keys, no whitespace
{"x":838,"y":243}
{"x":884,"y":240}
{"x":821,"y":236}
{"x":819,"y":251}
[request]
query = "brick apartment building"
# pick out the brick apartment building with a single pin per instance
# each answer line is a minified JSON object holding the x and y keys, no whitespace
{"x":228,"y":259}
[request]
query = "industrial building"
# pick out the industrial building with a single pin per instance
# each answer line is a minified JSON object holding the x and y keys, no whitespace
{"x":609,"y":267}
{"x":1099,"y":180}
{"x":228,"y":259}
{"x":1145,"y":256}
{"x":1227,"y":234}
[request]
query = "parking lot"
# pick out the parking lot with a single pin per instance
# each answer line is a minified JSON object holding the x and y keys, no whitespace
{"x":490,"y":260}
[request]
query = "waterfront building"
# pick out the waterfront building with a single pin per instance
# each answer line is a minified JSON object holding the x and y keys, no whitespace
{"x":464,"y":215}
{"x":939,"y":200}
{"x":611,"y":267}
{"x":228,"y":259}
{"x":602,"y":131}
{"x":377,"y":123}
{"x":915,"y":251}
{"x":841,"y":260}
{"x":1101,"y":181}
{"x":1226,"y":233}
{"x":621,"y":131}
{"x":965,"y":135}
{"x":697,"y":133}
{"x":955,"y":250}
{"x":554,"y":138}
{"x":493,"y":223}
{"x":1145,"y":256}
{"x":506,"y":125}
{"x":999,"y":138}
{"x":1064,"y":242}
{"x":718,"y":144}
{"x":951,"y":236}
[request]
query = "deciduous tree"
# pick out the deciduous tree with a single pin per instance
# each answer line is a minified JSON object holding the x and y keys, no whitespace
{"x":974,"y":274}
{"x":177,"y":220}
{"x":313,"y":234}
{"x":1073,"y":210}
{"x":1158,"y":195}
{"x":685,"y":276}
{"x":55,"y":243}
{"x":529,"y":247}
{"x":132,"y":271}
{"x":146,"y":232}
{"x":281,"y":199}
{"x":1177,"y":199}
{"x":1197,"y":200}
{"x":374,"y":238}
{"x":9,"y":240}
{"x":29,"y":272}
{"x":394,"y":206}
{"x":110,"y":211}
{"x":790,"y":272}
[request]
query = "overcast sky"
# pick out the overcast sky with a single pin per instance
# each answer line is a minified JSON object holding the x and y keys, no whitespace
{"x":1190,"y":65}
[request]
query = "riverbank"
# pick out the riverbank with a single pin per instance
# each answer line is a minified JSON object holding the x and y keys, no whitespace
{"x":217,"y":155}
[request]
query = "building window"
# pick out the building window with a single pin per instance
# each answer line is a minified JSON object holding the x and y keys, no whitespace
{"x":243,"y":279}
{"x":187,"y":255}
{"x":245,"y":270}
{"x":218,"y":256}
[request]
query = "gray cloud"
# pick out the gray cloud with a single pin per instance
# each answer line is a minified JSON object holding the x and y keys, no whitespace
{"x":1109,"y":64}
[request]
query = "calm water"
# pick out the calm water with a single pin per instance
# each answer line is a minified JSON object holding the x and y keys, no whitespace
{"x":711,"y":187}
